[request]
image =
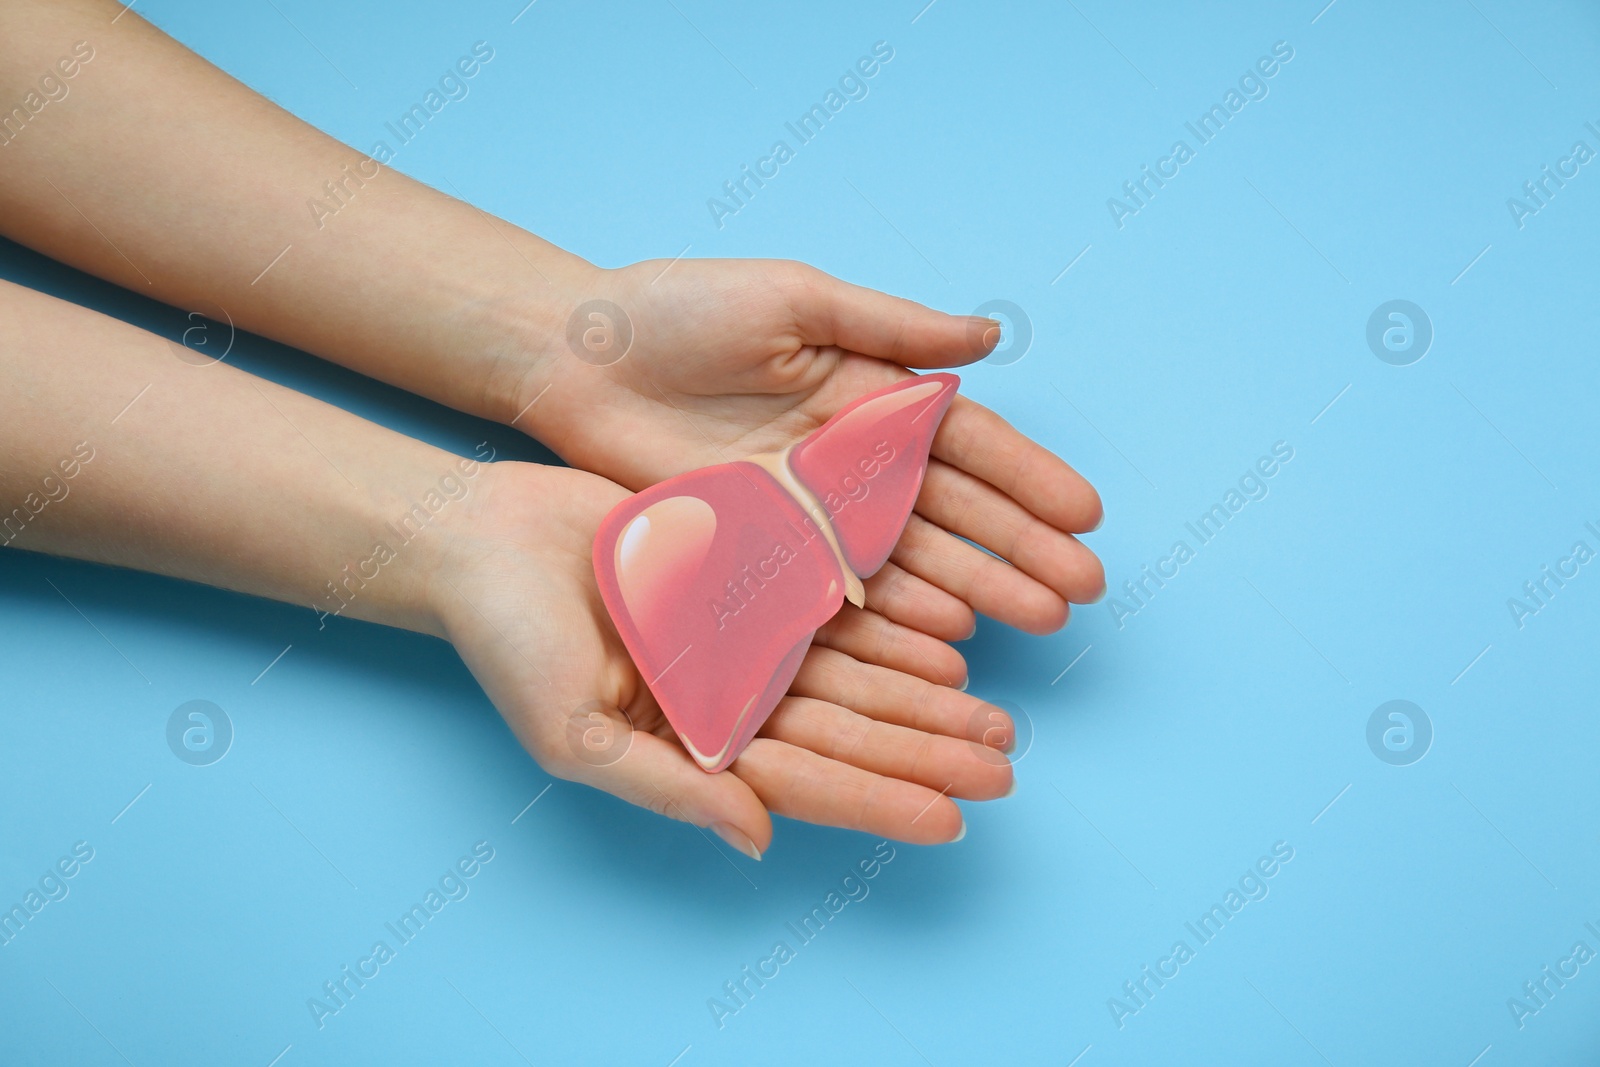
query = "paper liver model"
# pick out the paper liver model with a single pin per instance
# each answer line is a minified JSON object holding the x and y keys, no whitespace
{"x":717,"y":579}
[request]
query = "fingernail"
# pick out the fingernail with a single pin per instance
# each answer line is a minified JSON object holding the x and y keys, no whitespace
{"x":736,"y":837}
{"x":962,"y":688}
{"x":991,"y":336}
{"x":1101,"y":521}
{"x":959,"y":836}
{"x":1012,"y":791}
{"x":972,"y":632}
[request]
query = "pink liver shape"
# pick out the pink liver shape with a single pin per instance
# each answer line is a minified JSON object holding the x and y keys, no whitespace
{"x":718,"y":579}
{"x":865,"y":464}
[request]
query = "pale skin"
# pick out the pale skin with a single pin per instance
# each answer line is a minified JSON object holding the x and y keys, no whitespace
{"x":419,"y":289}
{"x":211,"y":474}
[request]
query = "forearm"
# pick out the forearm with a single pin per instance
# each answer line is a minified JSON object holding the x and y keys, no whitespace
{"x":114,"y":449}
{"x":154,"y":169}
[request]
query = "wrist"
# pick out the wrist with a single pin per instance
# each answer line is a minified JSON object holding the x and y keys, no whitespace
{"x":522,"y":532}
{"x":400,"y":541}
{"x":520,"y":331}
{"x":559,"y":352}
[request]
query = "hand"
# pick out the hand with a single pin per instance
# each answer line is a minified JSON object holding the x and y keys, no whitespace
{"x":435,"y":296}
{"x":734,"y":357}
{"x":855,"y":744}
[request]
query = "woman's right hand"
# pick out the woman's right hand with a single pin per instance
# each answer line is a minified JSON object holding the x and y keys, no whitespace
{"x":856,"y":743}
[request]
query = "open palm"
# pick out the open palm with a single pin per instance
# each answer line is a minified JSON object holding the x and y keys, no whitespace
{"x":733,"y":357}
{"x":855,"y":744}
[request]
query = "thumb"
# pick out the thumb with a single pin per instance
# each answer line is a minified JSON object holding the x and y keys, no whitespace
{"x":833,"y":312}
{"x":656,"y":774}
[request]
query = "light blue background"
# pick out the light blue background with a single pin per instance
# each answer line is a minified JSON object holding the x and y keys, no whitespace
{"x":1222,"y":718}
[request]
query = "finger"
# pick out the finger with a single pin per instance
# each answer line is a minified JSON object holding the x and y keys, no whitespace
{"x":890,"y":696}
{"x":659,"y":775}
{"x":941,"y":763}
{"x":984,"y":445}
{"x":904,"y":598}
{"x":990,"y":586}
{"x":871,"y":638}
{"x":799,"y":784}
{"x":976,"y":510}
{"x":832,"y":312}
